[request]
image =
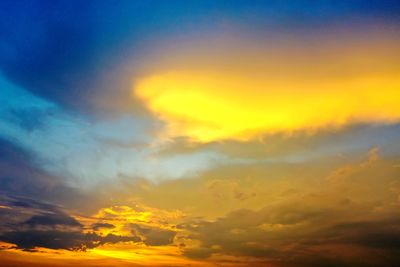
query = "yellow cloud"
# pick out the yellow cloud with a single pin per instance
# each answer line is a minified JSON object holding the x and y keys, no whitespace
{"x":122,"y":216}
{"x":229,"y":107}
{"x":308,"y":89}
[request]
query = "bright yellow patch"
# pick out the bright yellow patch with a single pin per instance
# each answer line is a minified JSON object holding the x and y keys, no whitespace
{"x":209,"y":106}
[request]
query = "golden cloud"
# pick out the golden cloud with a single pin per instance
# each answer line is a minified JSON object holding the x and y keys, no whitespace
{"x":213,"y":96}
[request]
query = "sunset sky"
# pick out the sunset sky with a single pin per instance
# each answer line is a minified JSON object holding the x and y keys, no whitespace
{"x":200,"y":133}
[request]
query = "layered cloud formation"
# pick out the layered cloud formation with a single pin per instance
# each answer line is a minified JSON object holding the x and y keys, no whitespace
{"x":199,"y":133}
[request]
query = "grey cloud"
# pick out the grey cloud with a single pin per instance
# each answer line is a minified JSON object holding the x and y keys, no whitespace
{"x":305,"y":241}
{"x":153,"y":236}
{"x":52,"y":220}
{"x":97,"y":226}
{"x":29,"y":240}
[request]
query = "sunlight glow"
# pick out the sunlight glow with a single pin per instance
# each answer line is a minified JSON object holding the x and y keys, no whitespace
{"x":217,"y":106}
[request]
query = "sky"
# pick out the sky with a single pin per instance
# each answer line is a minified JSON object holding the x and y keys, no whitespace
{"x":200,"y":133}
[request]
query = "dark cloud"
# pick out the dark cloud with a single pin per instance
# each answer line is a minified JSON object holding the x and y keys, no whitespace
{"x":324,"y":261}
{"x":303,"y":241}
{"x":97,"y":226}
{"x":22,"y":213}
{"x":29,"y":240}
{"x":153,"y":236}
{"x":28,"y":203}
{"x":52,"y":220}
{"x":382,"y":234}
{"x":159,"y":238}
{"x":198,"y":253}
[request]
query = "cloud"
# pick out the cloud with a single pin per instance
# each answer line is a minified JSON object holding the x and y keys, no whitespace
{"x":153,"y":226}
{"x":31,"y":224}
{"x":27,"y":213}
{"x":296,"y":237}
{"x":281,"y":147}
{"x":308,"y":219}
{"x":241,"y":88}
{"x":86,"y":152}
{"x":154,"y":236}
{"x":98,"y":226}
{"x":53,"y":219}
{"x":31,"y":239}
{"x":383,"y":234}
{"x":21,"y":177}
